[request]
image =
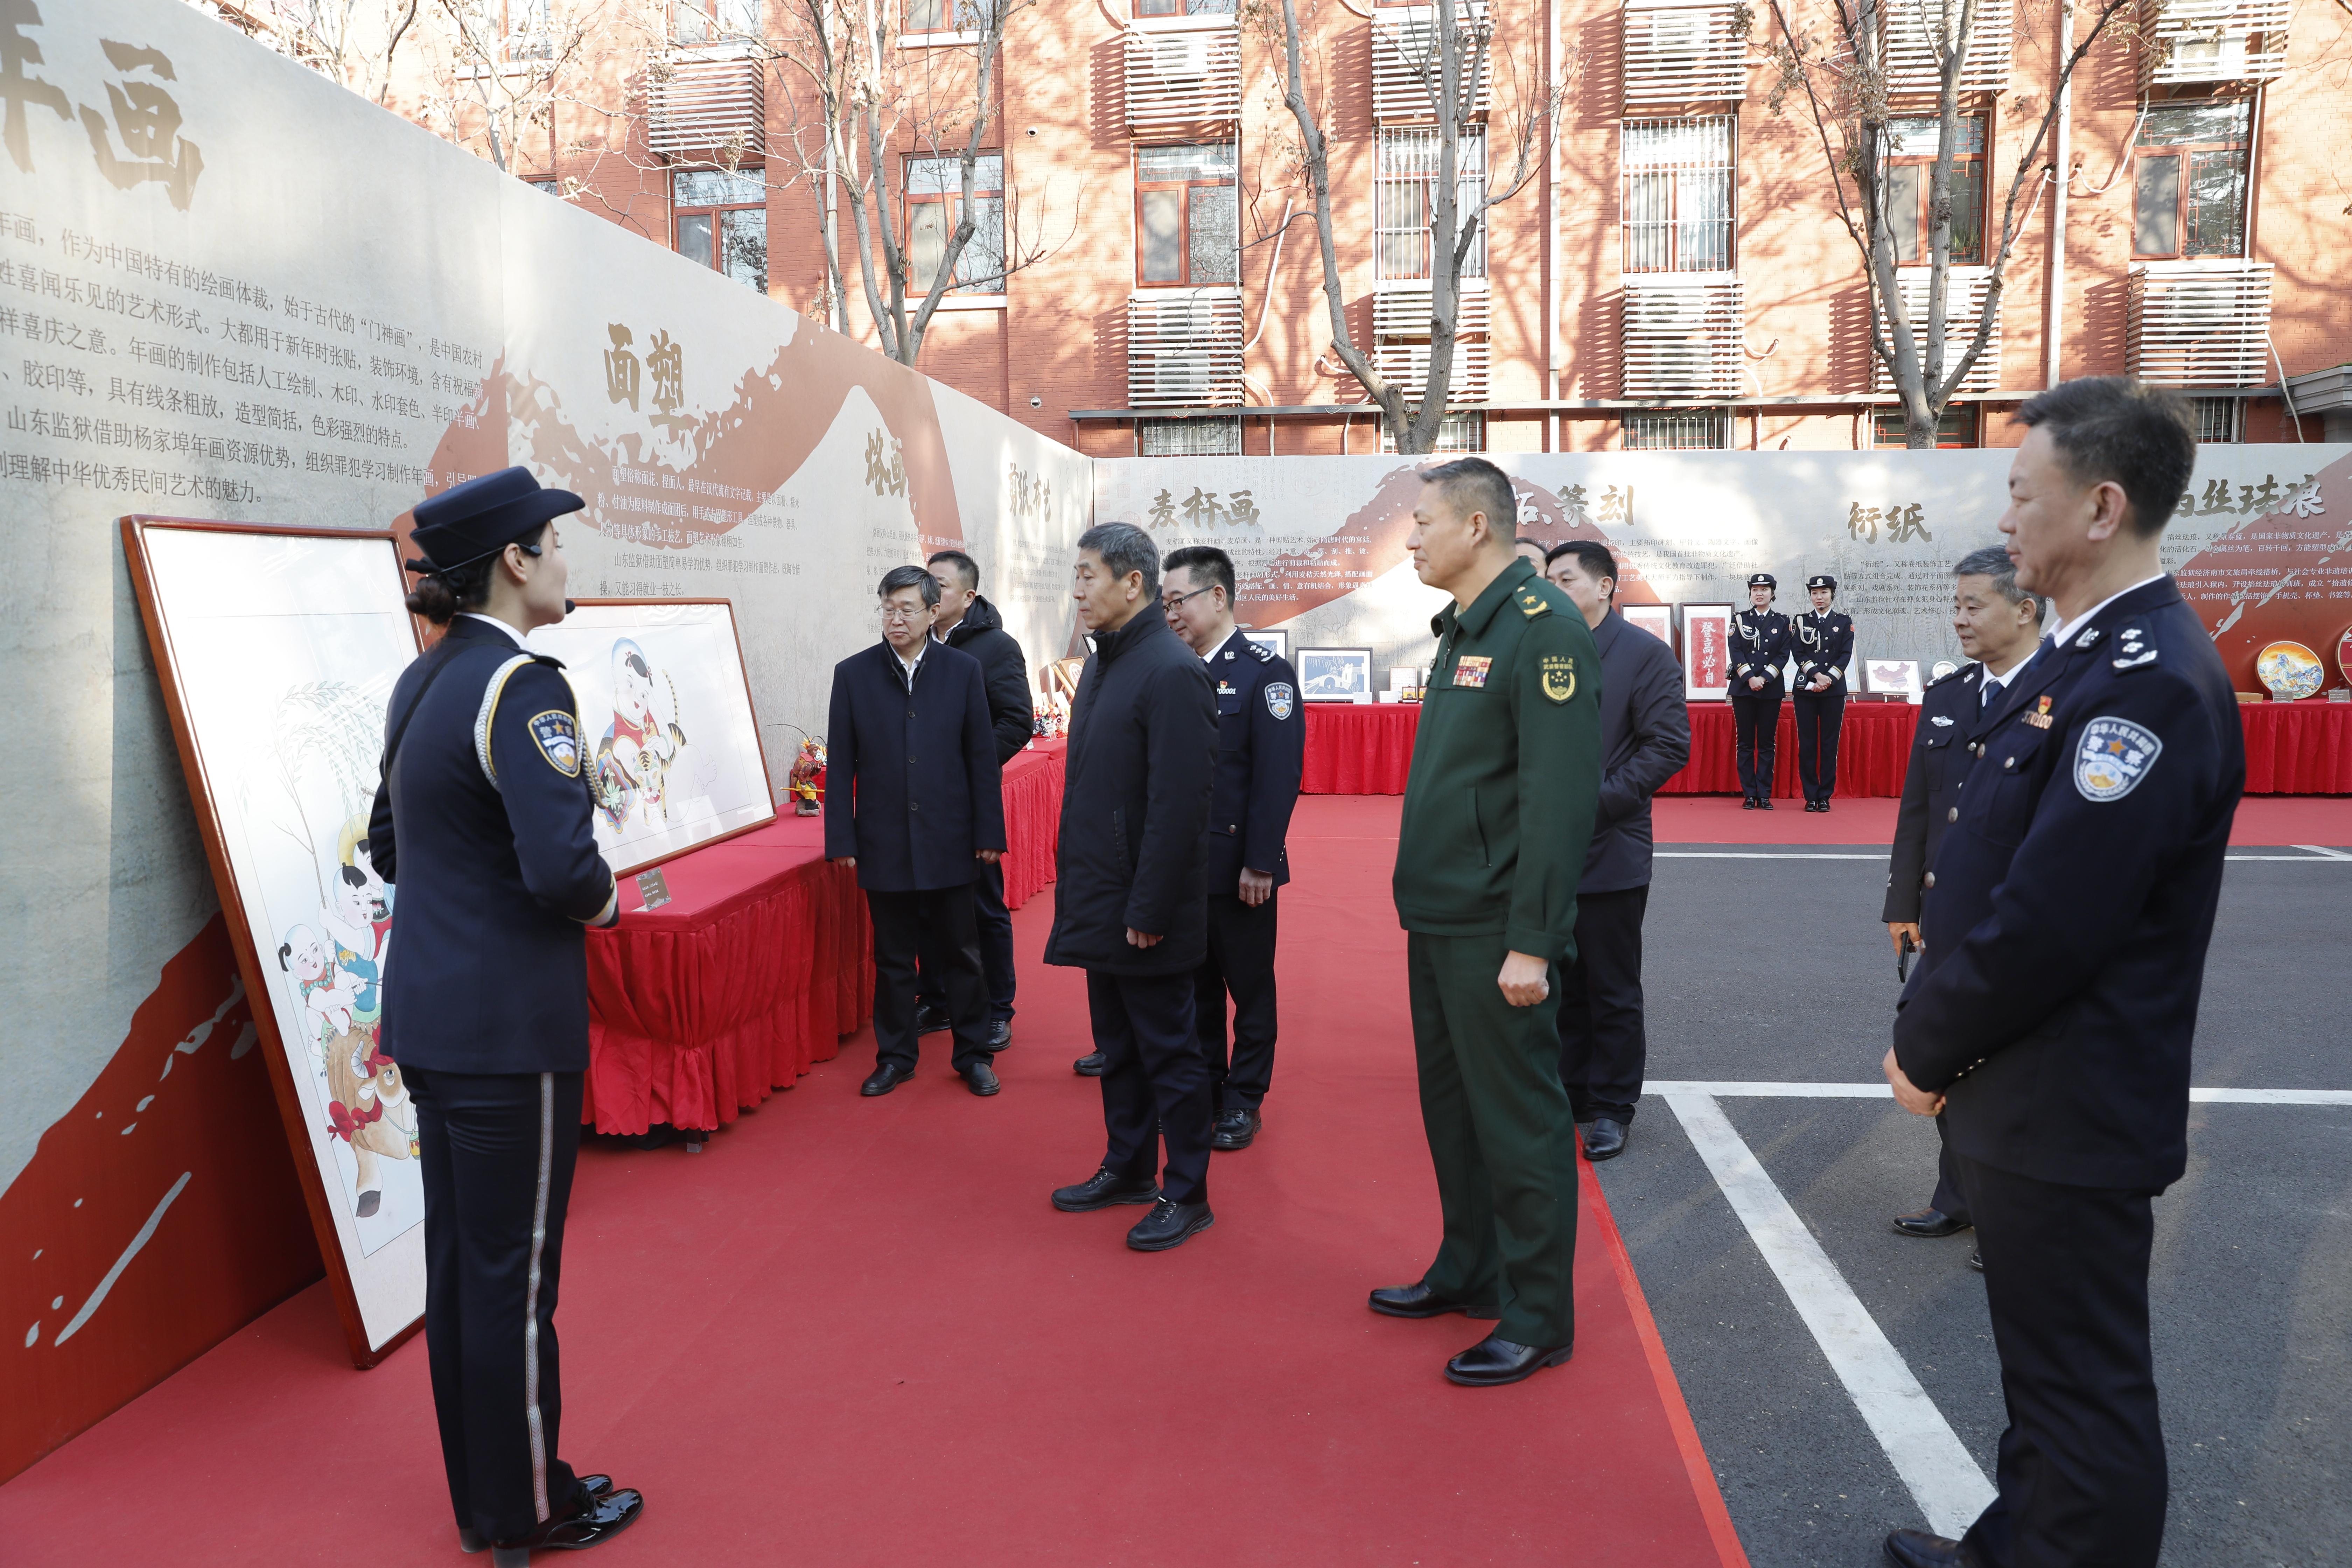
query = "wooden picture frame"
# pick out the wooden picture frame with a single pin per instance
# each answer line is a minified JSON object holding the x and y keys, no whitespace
{"x":1658,"y":620}
{"x":1705,"y":651}
{"x":1335,"y":674}
{"x":1896,"y":679}
{"x":646,"y":813}
{"x":276,"y":649}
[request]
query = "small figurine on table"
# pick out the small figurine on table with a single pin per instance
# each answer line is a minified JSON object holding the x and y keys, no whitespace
{"x":806,"y":784}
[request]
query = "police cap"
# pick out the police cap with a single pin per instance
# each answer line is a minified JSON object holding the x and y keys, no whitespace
{"x":467,"y":522}
{"x":1822,"y":579}
{"x":1764,"y":580}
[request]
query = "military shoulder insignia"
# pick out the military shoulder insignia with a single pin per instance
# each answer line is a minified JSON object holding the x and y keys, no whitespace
{"x":1279,"y":699}
{"x":1470,"y":671}
{"x":1558,"y":676}
{"x":1533,"y":605}
{"x":558,"y":739}
{"x":2114,"y":756}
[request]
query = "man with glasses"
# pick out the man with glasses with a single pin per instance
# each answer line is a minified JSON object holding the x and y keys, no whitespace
{"x":914,"y":805}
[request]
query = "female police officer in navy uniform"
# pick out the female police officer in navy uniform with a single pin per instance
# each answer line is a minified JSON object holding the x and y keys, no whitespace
{"x":1759,"y":657}
{"x":482,"y":820}
{"x":1824,"y":646}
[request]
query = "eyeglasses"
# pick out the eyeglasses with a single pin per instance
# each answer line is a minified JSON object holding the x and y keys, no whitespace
{"x":896,"y":613}
{"x":1169,"y":607}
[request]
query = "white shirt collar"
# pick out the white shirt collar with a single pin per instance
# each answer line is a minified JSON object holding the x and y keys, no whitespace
{"x":2065,"y":629}
{"x":504,"y":630}
{"x":911,"y":665}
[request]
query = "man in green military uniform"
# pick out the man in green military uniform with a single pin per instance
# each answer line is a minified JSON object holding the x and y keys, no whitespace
{"x":1497,"y":814}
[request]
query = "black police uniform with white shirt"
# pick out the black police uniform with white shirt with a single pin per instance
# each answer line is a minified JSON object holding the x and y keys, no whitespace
{"x":483,"y":822}
{"x":1823,"y":643}
{"x":1261,"y":750}
{"x":1759,"y":650}
{"x":2054,"y":1008}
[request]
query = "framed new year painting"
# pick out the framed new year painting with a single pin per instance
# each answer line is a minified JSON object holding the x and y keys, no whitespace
{"x":277,"y":650}
{"x":1706,"y":652}
{"x":666,"y":719}
{"x":1658,"y":620}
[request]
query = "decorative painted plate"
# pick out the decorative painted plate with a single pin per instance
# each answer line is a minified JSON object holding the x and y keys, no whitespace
{"x":2290,"y":670}
{"x":2343,"y":656}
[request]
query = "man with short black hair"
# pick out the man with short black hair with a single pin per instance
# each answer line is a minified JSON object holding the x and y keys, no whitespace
{"x":2051,"y":1018}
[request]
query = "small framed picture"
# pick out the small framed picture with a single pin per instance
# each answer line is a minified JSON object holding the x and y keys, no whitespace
{"x":1335,"y":674}
{"x":1658,"y":620}
{"x":1706,"y":651}
{"x":1277,"y":643}
{"x":1897,"y":677}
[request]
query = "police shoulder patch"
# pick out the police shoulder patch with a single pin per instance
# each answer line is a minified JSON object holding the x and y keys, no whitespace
{"x":1279,"y":699}
{"x":2112,"y":758}
{"x":558,"y":739}
{"x":1260,"y":652}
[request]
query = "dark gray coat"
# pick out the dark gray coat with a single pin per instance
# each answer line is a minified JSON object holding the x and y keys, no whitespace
{"x":1644,"y":741}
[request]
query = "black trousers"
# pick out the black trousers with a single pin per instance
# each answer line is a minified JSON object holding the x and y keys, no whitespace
{"x":1756,"y":721}
{"x":497,"y":1152}
{"x":995,"y":923}
{"x":2080,"y":1471}
{"x":1948,"y":1199}
{"x":1155,"y":1082}
{"x":1240,"y":964}
{"x":934,"y":925}
{"x":1820,"y":716}
{"x":1602,"y":1046}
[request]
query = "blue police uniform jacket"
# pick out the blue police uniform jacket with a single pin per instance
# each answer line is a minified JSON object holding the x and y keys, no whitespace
{"x":912,"y":788}
{"x":483,"y":822}
{"x":1261,"y":753}
{"x":1823,"y":641}
{"x":2073,"y":900}
{"x":1931,"y":786}
{"x":1759,"y":645}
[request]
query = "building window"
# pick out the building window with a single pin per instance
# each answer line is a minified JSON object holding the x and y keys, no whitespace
{"x":2218,"y":419}
{"x":722,"y":221}
{"x":1209,"y":438}
{"x":548,"y":183}
{"x":1465,"y":432}
{"x":714,"y":21}
{"x":1184,"y":8}
{"x":2188,"y":180}
{"x":1187,"y":214}
{"x":934,"y":203}
{"x":1956,"y":429}
{"x":1677,"y":430}
{"x":1910,"y":175}
{"x":947,"y":16}
{"x":1675,"y":196}
{"x":1404,"y":199}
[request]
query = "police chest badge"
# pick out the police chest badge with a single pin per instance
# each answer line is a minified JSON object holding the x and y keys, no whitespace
{"x":2114,"y":756}
{"x":558,"y":741}
{"x":1558,"y":676}
{"x":1470,"y":671}
{"x":1278,"y":698}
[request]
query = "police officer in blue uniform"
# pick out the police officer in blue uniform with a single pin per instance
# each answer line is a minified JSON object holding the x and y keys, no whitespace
{"x":1261,"y":750}
{"x":1824,"y":641}
{"x":483,"y":822}
{"x":2051,"y":1017}
{"x":1760,"y":656}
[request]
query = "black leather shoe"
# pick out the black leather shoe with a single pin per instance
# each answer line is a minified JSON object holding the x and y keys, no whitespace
{"x":981,"y":1079}
{"x":603,"y":1518}
{"x":1421,"y":1302}
{"x":1918,"y":1549}
{"x":930,"y":1020}
{"x":1746,"y":802}
{"x":1764,"y":803}
{"x":1236,"y":1129}
{"x":470,"y":1540}
{"x":1000,"y":1035}
{"x":885,"y":1078}
{"x":1102,"y":1190}
{"x":1976,"y":1260}
{"x":1494,"y":1360}
{"x":1932,"y":1224}
{"x":1169,"y":1225}
{"x":1091,"y":1064}
{"x":1604,"y":1139}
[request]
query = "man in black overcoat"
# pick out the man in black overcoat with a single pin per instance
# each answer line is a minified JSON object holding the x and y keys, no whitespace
{"x":1130,"y":899}
{"x":913,"y":800}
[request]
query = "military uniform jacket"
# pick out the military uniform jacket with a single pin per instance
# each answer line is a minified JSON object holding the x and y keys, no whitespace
{"x":2073,"y":900}
{"x":1499,"y":804}
{"x":1759,"y":645}
{"x":1261,"y":752}
{"x":1931,"y":786}
{"x":483,"y":821}
{"x":1823,"y":644}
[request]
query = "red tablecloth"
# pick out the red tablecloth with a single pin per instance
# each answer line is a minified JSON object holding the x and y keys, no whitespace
{"x":2298,"y":748}
{"x":1033,"y":819}
{"x":1358,"y":748}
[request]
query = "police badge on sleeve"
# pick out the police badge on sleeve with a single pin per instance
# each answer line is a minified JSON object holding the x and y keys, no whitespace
{"x":1278,"y":698}
{"x":2113,"y":755}
{"x":558,"y":741}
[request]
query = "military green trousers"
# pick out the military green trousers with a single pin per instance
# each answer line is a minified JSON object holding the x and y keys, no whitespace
{"x":1501,"y":1136}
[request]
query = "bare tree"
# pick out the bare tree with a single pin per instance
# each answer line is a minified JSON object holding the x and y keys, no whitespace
{"x":353,"y":41}
{"x":500,"y":67}
{"x":1844,"y":83}
{"x":1452,"y":59}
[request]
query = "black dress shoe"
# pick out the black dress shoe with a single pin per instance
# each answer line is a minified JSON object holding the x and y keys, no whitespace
{"x":1421,"y":1302}
{"x":1102,"y":1190}
{"x":1494,"y":1360}
{"x":1236,"y":1129}
{"x":1604,"y":1139}
{"x":604,"y":1517}
{"x":1169,"y":1225}
{"x":1932,"y":1224}
{"x":981,"y":1079}
{"x":885,"y":1078}
{"x":1764,"y":803}
{"x":1091,"y":1064}
{"x":1918,"y":1549}
{"x":1976,"y":1260}
{"x":1000,"y":1033}
{"x":471,"y":1540}
{"x":1746,"y":802}
{"x":930,"y":1020}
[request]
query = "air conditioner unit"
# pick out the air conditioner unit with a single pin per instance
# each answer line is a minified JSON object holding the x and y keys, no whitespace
{"x":1680,"y":335}
{"x":1406,"y":62}
{"x":1179,"y":80}
{"x":1184,"y":58}
{"x":1184,"y":348}
{"x":2200,"y":325}
{"x":2187,"y":42}
{"x":701,"y":104}
{"x":1911,"y":32}
{"x":1677,"y":52}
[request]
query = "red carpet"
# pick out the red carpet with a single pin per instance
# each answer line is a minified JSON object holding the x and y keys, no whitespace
{"x":855,"y":1333}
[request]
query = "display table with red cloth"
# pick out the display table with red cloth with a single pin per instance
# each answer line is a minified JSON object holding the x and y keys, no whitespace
{"x":761,"y":961}
{"x":1358,"y":748}
{"x":2298,"y":748}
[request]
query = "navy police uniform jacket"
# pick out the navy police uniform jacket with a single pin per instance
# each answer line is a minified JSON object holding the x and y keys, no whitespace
{"x":1823,"y":643}
{"x":1759,"y":645}
{"x":2073,"y":900}
{"x":912,"y":788}
{"x":483,"y":821}
{"x":1261,"y":752}
{"x":1931,"y":786}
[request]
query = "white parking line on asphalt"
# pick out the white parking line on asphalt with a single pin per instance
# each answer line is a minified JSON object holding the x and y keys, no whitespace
{"x":1944,"y":1480}
{"x":1670,"y":1088}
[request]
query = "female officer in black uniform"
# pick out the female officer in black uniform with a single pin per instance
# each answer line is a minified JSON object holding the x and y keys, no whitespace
{"x":1759,"y":651}
{"x":1824,"y":645}
{"x":482,"y":820}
